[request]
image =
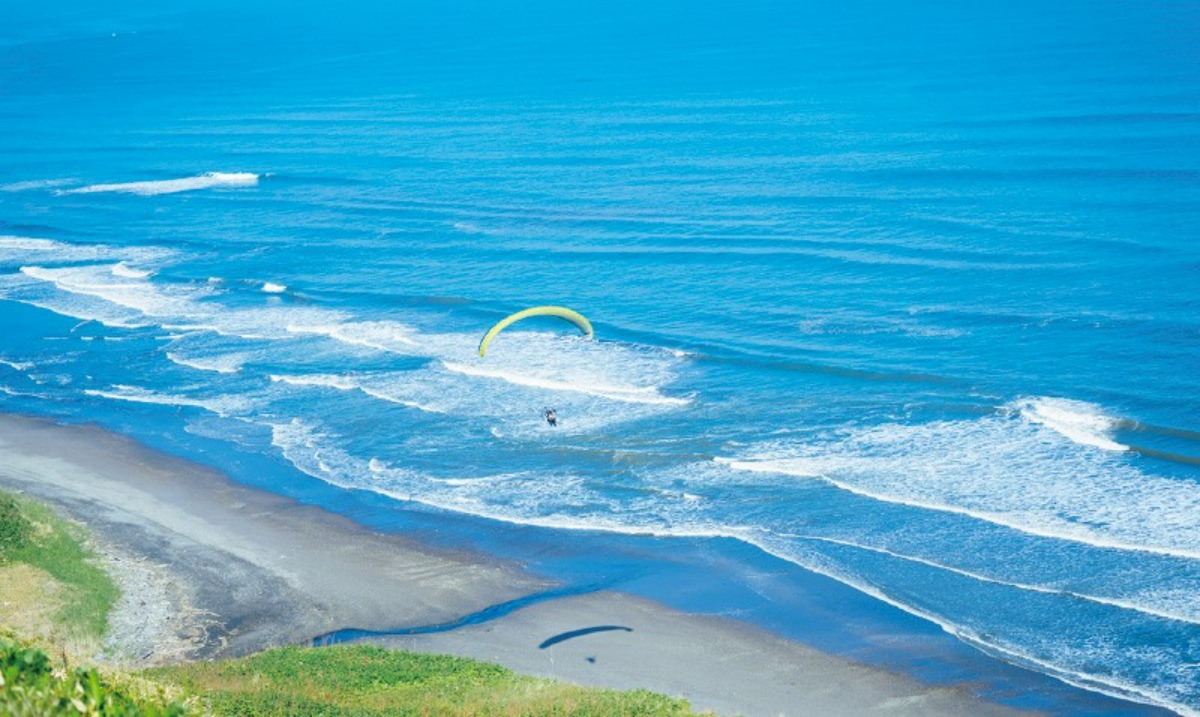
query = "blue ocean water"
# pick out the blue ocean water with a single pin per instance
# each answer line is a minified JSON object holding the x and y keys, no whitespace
{"x":901,"y":296}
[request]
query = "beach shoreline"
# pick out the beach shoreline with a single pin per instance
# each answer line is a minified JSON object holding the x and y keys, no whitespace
{"x":211,"y":568}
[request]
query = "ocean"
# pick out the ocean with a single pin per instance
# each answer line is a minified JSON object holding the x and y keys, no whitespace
{"x":896,"y":311}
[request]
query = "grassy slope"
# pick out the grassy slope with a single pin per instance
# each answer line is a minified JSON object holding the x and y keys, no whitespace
{"x":33,"y":535}
{"x":366,"y":680}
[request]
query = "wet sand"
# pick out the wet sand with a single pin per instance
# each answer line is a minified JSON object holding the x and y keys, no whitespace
{"x":211,"y":568}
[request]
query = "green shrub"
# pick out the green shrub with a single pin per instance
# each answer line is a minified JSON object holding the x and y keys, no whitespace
{"x":15,"y":528}
{"x":29,"y":687}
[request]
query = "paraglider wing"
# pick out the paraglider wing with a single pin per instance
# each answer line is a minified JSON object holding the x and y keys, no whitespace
{"x":561,"y":312}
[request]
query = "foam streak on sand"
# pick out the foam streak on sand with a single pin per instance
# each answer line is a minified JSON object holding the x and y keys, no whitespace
{"x":208,"y":180}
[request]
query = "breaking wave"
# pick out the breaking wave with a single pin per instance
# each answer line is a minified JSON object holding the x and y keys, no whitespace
{"x":208,"y":180}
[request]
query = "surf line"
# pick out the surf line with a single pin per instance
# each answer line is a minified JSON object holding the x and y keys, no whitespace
{"x":492,"y":612}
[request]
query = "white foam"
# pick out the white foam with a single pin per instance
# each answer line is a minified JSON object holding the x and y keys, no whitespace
{"x":378,"y":335}
{"x":323,"y":380}
{"x":352,"y":383}
{"x":226,"y":365}
{"x":34,"y":184}
{"x":626,"y":394}
{"x":30,"y":244}
{"x":522,"y":502}
{"x":1192,"y":616}
{"x":147,"y":298}
{"x":843,"y":322}
{"x":467,"y":228}
{"x":173,"y":306}
{"x":124,"y":270}
{"x":208,"y":180}
{"x":1005,"y":470}
{"x":272,"y":288}
{"x":1107,"y":684}
{"x":17,"y":365}
{"x":32,"y":250}
{"x":1081,"y":422}
{"x":74,"y":310}
{"x":223,"y":406}
{"x":390,"y":398}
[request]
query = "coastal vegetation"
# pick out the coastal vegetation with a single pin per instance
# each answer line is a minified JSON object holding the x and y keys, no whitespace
{"x":32,"y":686}
{"x":55,"y":596}
{"x":53,"y":583}
{"x":368,"y":680}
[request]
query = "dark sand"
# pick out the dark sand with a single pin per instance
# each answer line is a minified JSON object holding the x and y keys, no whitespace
{"x":211,"y":568}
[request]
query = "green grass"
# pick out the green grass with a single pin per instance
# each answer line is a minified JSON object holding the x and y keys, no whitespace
{"x":15,"y":528}
{"x":366,"y":680}
{"x":58,"y":547}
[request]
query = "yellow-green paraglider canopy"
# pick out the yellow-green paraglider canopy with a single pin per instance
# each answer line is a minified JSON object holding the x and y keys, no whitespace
{"x":560,"y":311}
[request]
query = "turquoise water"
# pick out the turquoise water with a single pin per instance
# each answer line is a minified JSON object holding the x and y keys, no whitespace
{"x":902,"y":297}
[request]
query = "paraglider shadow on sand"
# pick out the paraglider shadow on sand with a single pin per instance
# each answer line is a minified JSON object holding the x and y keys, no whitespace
{"x":572,"y":634}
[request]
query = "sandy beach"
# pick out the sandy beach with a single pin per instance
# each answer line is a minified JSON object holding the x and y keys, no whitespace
{"x":210,"y":568}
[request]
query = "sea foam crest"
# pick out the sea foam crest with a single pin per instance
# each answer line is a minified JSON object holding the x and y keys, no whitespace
{"x":207,"y":180}
{"x":1081,"y":422}
{"x":33,"y":184}
{"x":103,"y":282}
{"x":375,"y":386}
{"x":626,"y":394}
{"x":387,"y":336}
{"x":17,"y":365}
{"x":1005,"y":469}
{"x":228,"y":364}
{"x":529,"y":498}
{"x":17,"y":250}
{"x":1074,"y":662}
{"x":125,"y":270}
{"x":223,"y":406}
{"x":93,"y":291}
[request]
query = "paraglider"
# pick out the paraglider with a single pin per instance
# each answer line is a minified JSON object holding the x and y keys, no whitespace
{"x":559,"y":311}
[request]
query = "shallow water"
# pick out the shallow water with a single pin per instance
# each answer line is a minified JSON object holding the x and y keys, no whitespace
{"x":903,"y":298}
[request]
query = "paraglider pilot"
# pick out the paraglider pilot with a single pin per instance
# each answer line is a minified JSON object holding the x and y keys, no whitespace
{"x":551,"y":417}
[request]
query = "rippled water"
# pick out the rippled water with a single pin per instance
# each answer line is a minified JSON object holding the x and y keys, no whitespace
{"x":907,"y":298}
